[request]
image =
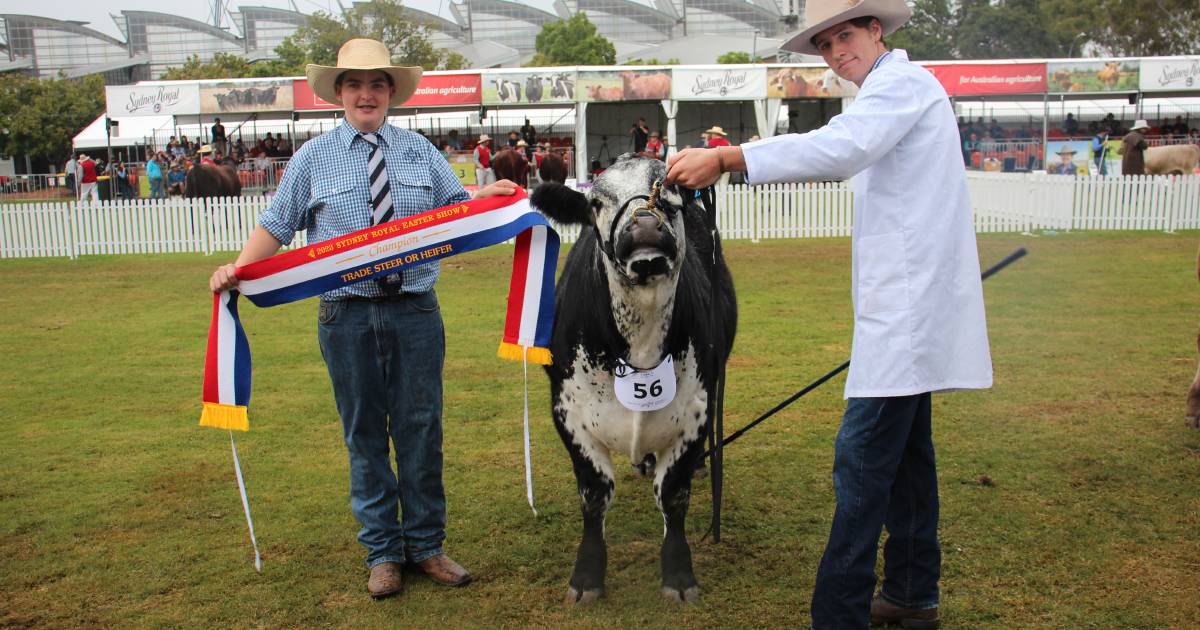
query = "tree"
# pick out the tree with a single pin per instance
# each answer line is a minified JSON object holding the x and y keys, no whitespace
{"x":653,"y":61}
{"x":572,"y":42}
{"x":1149,"y":27}
{"x":39,"y":117}
{"x":929,"y":33}
{"x":738,"y":56}
{"x":222,"y":66}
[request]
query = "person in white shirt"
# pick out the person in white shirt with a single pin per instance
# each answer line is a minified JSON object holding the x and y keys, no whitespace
{"x":919,"y":324}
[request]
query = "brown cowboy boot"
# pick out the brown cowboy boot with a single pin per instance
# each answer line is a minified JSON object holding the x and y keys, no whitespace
{"x":385,"y":580}
{"x":883,"y":611}
{"x":444,"y":571}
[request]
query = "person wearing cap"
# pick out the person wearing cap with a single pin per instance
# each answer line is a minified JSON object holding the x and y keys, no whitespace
{"x":483,"y":161}
{"x":382,"y":341}
{"x":1066,"y":162}
{"x":919,"y":323}
{"x":1133,"y":149}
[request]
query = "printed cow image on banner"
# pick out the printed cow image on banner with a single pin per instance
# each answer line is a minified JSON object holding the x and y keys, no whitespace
{"x":510,"y":88}
{"x":1092,"y":76}
{"x":257,"y":96}
{"x":625,"y":85}
{"x":807,"y":83}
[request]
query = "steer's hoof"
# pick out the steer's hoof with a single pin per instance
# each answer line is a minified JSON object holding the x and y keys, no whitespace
{"x":582,"y":597}
{"x":1192,"y":421}
{"x":686,"y":596}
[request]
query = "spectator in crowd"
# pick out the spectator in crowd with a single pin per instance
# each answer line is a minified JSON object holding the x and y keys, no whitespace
{"x":206,"y":155}
{"x":717,"y":137}
{"x":970,"y":147}
{"x":121,"y":175}
{"x":513,"y":138}
{"x":272,"y":146}
{"x":553,"y":169}
{"x":641,"y":135}
{"x":1133,"y":148}
{"x":523,"y":149}
{"x":1100,"y":151}
{"x":218,"y":136}
{"x":529,"y":135}
{"x":154,"y":172}
{"x":454,"y":141}
{"x":654,"y":146}
{"x":1180,"y":128}
{"x":176,"y":178}
{"x":539,"y":153}
{"x":1114,"y":125}
{"x":596,"y":168}
{"x":71,"y":169}
{"x":1066,"y":162}
{"x":283,"y":148}
{"x":996,"y":130}
{"x":87,"y":178}
{"x":241,"y":147}
{"x":174,"y":149}
{"x":483,"y":161}
{"x":1071,"y":125}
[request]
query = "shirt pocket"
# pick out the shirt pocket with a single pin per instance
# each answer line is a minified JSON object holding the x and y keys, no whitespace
{"x":882,"y":273}
{"x":412,"y":188}
{"x":334,"y":192}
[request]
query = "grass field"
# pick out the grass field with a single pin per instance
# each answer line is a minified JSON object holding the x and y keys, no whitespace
{"x":116,"y":510}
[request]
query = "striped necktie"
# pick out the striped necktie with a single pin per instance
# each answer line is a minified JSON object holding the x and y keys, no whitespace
{"x":382,"y":210}
{"x":381,"y":189}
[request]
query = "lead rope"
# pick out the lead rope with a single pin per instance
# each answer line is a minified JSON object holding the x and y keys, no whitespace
{"x":528,"y":467}
{"x":237,"y":467}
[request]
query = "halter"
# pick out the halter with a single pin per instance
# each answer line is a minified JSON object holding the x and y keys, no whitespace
{"x":654,"y":206}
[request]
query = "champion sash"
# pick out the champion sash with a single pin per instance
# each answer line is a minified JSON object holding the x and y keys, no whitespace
{"x":376,"y":252}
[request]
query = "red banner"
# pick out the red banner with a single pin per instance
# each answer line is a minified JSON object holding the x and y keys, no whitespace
{"x":977,"y":79}
{"x":434,"y":90}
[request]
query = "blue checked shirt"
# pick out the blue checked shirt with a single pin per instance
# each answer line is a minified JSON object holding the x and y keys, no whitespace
{"x":325,"y":191}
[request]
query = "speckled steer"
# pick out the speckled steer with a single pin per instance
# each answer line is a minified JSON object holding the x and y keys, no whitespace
{"x":637,"y":287}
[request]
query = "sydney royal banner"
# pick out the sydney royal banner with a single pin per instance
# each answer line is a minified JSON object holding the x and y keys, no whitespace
{"x":1166,"y":75}
{"x":719,"y":84}
{"x":434,"y":90}
{"x":976,"y":79}
{"x":152,"y":100}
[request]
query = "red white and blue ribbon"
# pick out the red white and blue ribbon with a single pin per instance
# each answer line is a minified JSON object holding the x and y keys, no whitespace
{"x":379,"y":251}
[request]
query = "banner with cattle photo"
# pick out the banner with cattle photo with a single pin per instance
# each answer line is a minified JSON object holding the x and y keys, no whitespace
{"x":795,"y":82}
{"x":624,"y":85}
{"x":740,"y":83}
{"x":152,"y":100}
{"x":1170,"y":75}
{"x":527,"y":88}
{"x":1092,"y":76}
{"x":246,"y":97}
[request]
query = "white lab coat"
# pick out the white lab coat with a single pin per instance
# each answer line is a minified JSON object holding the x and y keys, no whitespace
{"x":919,"y":322}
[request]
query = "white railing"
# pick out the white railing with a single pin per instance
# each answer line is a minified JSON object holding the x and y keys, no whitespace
{"x":1003,"y":202}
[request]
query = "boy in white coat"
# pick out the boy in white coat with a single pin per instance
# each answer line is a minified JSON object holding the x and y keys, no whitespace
{"x":919,"y":323}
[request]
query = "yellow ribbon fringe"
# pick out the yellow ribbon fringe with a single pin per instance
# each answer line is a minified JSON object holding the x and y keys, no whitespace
{"x":515,"y":352}
{"x":220,"y":416}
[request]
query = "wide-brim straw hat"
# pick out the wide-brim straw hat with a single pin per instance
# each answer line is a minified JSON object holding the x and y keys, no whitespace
{"x":822,"y":14}
{"x":1068,"y":150}
{"x":1139,"y":124}
{"x":363,"y":54}
{"x":717,"y":130}
{"x":205,"y":149}
{"x":485,"y":138}
{"x":522,"y":143}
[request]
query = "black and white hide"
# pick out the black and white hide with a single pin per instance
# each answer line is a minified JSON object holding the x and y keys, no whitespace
{"x":636,"y":313}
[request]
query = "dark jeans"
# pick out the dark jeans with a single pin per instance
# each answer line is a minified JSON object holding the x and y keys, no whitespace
{"x":385,"y":360}
{"x":883,"y":474}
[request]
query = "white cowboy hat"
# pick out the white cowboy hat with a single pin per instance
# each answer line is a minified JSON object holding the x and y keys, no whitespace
{"x":1139,"y":124}
{"x":363,"y":54}
{"x":717,"y":130}
{"x":1067,"y":150}
{"x":205,"y":149}
{"x":485,"y":138}
{"x":522,"y":143}
{"x":822,"y":14}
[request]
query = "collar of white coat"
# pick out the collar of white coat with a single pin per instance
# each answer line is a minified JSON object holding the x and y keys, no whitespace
{"x":889,"y":55}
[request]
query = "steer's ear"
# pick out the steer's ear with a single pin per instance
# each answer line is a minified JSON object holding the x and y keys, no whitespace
{"x":561,"y":203}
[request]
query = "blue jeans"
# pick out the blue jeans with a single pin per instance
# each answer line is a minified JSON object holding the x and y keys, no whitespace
{"x":385,"y":360}
{"x":883,"y":474}
{"x":156,"y":188}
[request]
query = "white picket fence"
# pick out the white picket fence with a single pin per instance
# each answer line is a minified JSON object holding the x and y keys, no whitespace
{"x":1003,"y":202}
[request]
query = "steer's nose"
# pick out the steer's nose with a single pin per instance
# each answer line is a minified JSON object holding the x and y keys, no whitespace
{"x":645,"y":227}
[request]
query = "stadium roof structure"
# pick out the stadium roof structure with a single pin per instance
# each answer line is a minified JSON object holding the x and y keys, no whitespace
{"x":47,"y":46}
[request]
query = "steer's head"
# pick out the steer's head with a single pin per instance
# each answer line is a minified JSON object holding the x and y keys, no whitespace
{"x":638,"y":223}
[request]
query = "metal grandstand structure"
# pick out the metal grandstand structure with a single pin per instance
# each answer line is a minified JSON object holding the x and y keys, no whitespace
{"x":490,"y":33}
